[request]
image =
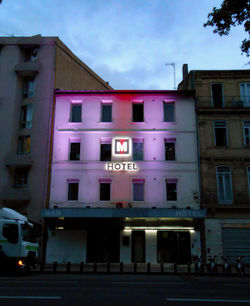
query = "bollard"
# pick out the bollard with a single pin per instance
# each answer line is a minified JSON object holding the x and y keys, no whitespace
{"x":175,"y":268}
{"x":41,"y":267}
{"x":68,"y":267}
{"x":95,"y":267}
{"x":121,"y":267}
{"x":81,"y":267}
{"x":108,"y":267}
{"x":55,"y":267}
{"x":135,"y":267}
{"x":162,"y":267}
{"x":148,"y":268}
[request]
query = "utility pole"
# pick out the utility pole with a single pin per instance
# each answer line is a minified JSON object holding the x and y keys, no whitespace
{"x":173,"y":65}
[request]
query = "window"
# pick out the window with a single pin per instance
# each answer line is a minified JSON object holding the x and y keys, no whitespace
{"x":29,"y":87}
{"x":245,"y":93}
{"x":217,"y":95}
{"x":138,"y":190}
{"x":138,"y":115}
{"x":247,"y":132}
{"x":21,"y":176}
{"x":76,"y":112}
{"x":105,"y":150}
{"x":23,"y":144}
{"x":105,"y":189}
{"x":171,"y":187}
{"x":220,"y":133}
{"x":248,"y":176}
{"x":170,"y":149}
{"x":74,"y":151}
{"x":10,"y":232}
{"x":73,"y":186}
{"x":26,"y":116}
{"x":137,"y":149}
{"x":31,"y":54}
{"x":224,"y":185}
{"x":106,"y":112}
{"x":169,"y":111}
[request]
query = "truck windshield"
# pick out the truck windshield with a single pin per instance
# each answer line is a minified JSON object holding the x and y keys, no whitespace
{"x":28,"y":233}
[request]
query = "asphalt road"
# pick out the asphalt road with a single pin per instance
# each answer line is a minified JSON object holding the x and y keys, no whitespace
{"x":123,"y":290}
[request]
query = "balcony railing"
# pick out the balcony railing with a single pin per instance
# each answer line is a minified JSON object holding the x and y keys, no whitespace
{"x":222,"y":102}
{"x":239,"y":198}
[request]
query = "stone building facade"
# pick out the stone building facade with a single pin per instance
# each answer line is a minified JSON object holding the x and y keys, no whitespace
{"x":223,"y":112}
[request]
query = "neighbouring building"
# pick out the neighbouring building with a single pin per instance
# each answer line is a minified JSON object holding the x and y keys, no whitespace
{"x":124,"y":185}
{"x":223,"y":111}
{"x":30,"y":69}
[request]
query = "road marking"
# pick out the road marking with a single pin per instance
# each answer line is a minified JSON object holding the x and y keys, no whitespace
{"x":207,"y":300}
{"x":30,"y":297}
{"x":149,"y":283}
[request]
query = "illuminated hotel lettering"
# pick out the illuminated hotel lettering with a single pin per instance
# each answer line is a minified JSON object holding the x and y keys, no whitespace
{"x":121,"y":166}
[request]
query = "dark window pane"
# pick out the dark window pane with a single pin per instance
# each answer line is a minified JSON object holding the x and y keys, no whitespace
{"x":106,"y":113}
{"x":138,"y":191}
{"x":75,"y":151}
{"x":168,"y":112}
{"x":217,"y":95}
{"x":31,"y":54}
{"x":105,"y":151}
{"x":76,"y":113}
{"x":26,"y":116}
{"x":73,"y":192}
{"x":10,"y":232}
{"x":29,"y":87}
{"x":220,"y":137}
{"x":104,"y":191}
{"x":171,"y":192}
{"x":137,"y":151}
{"x":170,"y":150}
{"x":21,"y":175}
{"x":138,"y":112}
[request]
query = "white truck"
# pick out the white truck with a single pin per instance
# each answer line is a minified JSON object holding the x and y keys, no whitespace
{"x":18,"y":245}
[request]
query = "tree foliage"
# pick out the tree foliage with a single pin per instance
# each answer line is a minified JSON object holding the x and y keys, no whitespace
{"x":231,"y":13}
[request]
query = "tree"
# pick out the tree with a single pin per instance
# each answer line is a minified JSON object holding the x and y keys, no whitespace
{"x":231,"y":13}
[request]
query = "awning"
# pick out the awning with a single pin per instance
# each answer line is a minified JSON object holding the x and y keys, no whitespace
{"x":123,"y":213}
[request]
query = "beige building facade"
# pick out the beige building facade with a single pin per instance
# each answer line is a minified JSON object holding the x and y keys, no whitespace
{"x":30,"y":69}
{"x":223,"y":120}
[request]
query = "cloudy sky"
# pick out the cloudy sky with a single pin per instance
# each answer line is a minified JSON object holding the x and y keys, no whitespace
{"x":129,"y":42}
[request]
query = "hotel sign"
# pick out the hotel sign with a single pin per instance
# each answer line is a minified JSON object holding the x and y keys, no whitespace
{"x":121,"y":148}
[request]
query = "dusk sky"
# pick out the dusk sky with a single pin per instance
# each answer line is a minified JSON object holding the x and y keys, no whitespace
{"x":128,"y":42}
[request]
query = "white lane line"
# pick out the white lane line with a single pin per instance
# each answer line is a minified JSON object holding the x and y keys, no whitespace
{"x":207,"y":300}
{"x":149,"y":283}
{"x":30,"y":297}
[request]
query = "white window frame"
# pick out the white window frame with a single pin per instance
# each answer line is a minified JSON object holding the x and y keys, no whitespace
{"x":247,"y":145}
{"x":245,"y":98}
{"x":105,"y":181}
{"x":211,"y":90}
{"x":29,"y":93}
{"x":138,"y":181}
{"x":230,"y":201}
{"x":227,"y":143}
{"x":176,"y":181}
{"x":69,"y":181}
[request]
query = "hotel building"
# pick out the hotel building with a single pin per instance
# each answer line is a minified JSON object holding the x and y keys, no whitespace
{"x":124,"y":178}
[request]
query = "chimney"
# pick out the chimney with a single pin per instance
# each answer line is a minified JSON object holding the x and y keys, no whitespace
{"x":184,"y":71}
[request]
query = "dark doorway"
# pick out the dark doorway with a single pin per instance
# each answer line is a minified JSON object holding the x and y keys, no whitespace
{"x":138,"y":246}
{"x":103,"y":245}
{"x":173,"y":247}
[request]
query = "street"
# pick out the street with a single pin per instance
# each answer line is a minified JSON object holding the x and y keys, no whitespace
{"x":88,"y":290}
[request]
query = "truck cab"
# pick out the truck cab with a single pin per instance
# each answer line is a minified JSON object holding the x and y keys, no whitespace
{"x":18,"y":245}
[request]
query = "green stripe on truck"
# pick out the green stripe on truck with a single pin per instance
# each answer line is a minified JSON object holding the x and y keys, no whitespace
{"x":31,"y":248}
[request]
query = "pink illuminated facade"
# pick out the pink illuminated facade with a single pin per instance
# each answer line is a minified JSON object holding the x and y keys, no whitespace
{"x":124,"y":179}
